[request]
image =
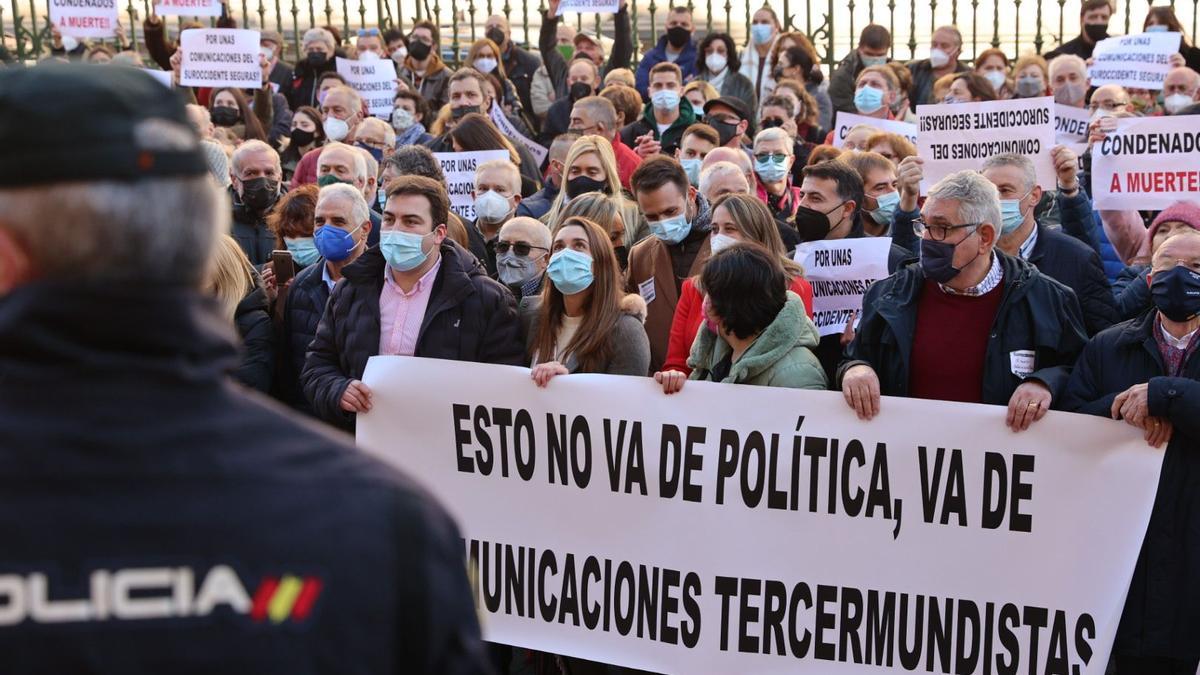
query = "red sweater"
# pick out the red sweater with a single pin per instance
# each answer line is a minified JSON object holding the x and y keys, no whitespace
{"x":689,"y":312}
{"x":946,"y":363}
{"x":627,"y":161}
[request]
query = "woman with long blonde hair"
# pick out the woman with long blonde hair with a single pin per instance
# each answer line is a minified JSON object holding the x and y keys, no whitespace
{"x":243,"y":301}
{"x":590,"y":166}
{"x":583,"y":322}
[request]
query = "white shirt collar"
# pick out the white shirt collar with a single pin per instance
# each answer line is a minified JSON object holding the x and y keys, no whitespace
{"x":994,"y":276}
{"x":1030,"y":241}
{"x":1177,"y":343}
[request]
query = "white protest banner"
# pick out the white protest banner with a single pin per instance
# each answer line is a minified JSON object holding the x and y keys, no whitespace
{"x":1071,"y":127}
{"x":589,"y":6}
{"x":220,"y":57}
{"x":497,"y":114}
{"x":847,"y":121}
{"x":374,"y":80}
{"x":1147,"y":163}
{"x":840,"y":272}
{"x":959,"y":136}
{"x":84,"y":18}
{"x":459,"y":168}
{"x":1138,"y":61}
{"x":187,"y":7}
{"x":742,"y":529}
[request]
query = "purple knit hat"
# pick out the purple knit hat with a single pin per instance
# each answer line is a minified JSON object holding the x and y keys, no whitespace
{"x":1183,"y":212}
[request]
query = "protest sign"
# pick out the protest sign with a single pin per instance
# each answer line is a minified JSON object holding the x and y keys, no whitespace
{"x":84,"y":18}
{"x":742,"y":529}
{"x":840,"y":272}
{"x":1147,"y":163}
{"x":459,"y":168}
{"x":374,"y":80}
{"x":1071,"y":127}
{"x":220,"y":57}
{"x":1136,"y":61}
{"x":187,"y":7}
{"x":959,"y":136}
{"x":497,"y":114}
{"x":847,"y":121}
{"x":589,"y":6}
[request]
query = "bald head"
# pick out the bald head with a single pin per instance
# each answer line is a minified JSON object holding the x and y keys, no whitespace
{"x":721,"y":179}
{"x":1181,"y":248}
{"x":511,"y":266}
{"x":1181,"y":80}
{"x":528,"y":230}
{"x":734,"y":155}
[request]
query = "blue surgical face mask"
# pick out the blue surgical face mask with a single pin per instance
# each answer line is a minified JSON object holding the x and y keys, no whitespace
{"x":887,"y":206}
{"x":1010,"y":214}
{"x":692,"y":168}
{"x":665,"y":99}
{"x":570,"y":271}
{"x":761,"y":33}
{"x":403,"y":251}
{"x":303,"y":250}
{"x":1157,"y":28}
{"x":335,"y":243}
{"x":671,"y":230}
{"x":771,"y":171}
{"x":868,"y":99}
{"x":869,"y":61}
{"x":375,"y":152}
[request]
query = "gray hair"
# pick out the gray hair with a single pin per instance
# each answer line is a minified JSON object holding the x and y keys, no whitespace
{"x":360,"y":164}
{"x":537,"y":230}
{"x":719,"y":170}
{"x":1020,"y":162}
{"x":319,"y":35}
{"x":249,"y":147}
{"x":978,"y":199}
{"x":1064,"y":61}
{"x":155,"y":230}
{"x":389,"y":133}
{"x":775,"y":134}
{"x":341,"y":192}
{"x":600,"y":109}
{"x":514,"y":174}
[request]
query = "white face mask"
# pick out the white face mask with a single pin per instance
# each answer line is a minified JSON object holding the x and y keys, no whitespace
{"x":938,"y":58}
{"x":720,"y":242}
{"x":996,"y":78}
{"x":368,"y":55}
{"x":715,"y":62}
{"x":400,"y":54}
{"x":335,"y":128}
{"x":485,"y":66}
{"x":1176,"y":102}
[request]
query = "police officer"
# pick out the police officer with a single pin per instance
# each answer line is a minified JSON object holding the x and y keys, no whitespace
{"x":159,"y":517}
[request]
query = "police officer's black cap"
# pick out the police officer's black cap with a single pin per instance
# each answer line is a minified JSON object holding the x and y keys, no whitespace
{"x":63,"y":123}
{"x":737,"y":105}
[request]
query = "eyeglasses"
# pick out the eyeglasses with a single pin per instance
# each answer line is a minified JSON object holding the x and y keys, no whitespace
{"x":520,"y":248}
{"x":1110,"y":106}
{"x":369,"y":32}
{"x":938,"y":232}
{"x":771,"y":156}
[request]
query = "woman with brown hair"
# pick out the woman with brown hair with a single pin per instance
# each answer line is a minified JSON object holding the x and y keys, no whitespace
{"x":1162,"y":18}
{"x":969,"y":87}
{"x":605,"y":211}
{"x":228,"y":108}
{"x":788,"y":63}
{"x":476,"y":132}
{"x":484,"y":56}
{"x":583,"y":322}
{"x":992,"y":64}
{"x":808,"y":121}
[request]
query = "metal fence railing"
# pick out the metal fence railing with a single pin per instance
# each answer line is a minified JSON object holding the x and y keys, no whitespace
{"x":833,"y":25}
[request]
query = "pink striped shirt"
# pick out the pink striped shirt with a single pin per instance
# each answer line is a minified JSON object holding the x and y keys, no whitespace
{"x":401,"y":314}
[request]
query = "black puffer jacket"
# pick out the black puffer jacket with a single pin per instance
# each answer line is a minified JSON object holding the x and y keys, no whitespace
{"x":251,"y":232}
{"x":302,"y":310}
{"x":303,"y":88}
{"x":470,"y":317}
{"x":1036,"y":313}
{"x":253,"y":321}
{"x":1162,"y":610}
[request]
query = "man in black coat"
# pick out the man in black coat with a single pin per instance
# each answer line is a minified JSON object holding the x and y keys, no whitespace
{"x":968,"y":323}
{"x":171,"y":520}
{"x":416,"y":294}
{"x":1094,"y":16}
{"x":1146,"y":372}
{"x":257,"y":177}
{"x":519,"y":65}
{"x":1056,"y":254}
{"x":342,"y":234}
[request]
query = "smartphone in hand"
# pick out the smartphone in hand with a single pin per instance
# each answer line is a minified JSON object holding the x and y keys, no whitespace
{"x":283,"y":266}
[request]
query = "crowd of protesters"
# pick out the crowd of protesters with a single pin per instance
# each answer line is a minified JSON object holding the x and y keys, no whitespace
{"x":656,"y":239}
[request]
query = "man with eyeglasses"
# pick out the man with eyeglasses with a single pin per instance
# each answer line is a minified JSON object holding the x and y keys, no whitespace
{"x":1108,"y":100}
{"x":969,"y":323}
{"x":522,"y":253}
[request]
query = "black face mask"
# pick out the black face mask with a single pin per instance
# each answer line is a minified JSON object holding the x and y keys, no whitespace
{"x":495,"y":35}
{"x":582,"y":185}
{"x":678,"y":36}
{"x":725,"y":130}
{"x":301,"y":138}
{"x":1176,"y":293}
{"x":580,"y":90}
{"x":225,"y":117}
{"x":771,"y":123}
{"x":459,"y":113}
{"x":813,"y":225}
{"x":316,"y":59}
{"x":622,"y":256}
{"x":1095,"y":31}
{"x":418,"y":50}
{"x":260,"y":193}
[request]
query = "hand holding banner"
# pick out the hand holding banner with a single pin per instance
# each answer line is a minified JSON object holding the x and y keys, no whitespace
{"x":959,"y":136}
{"x":741,"y":529}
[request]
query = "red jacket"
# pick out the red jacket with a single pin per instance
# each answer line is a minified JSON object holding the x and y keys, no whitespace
{"x":690,"y":312}
{"x":627,"y":161}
